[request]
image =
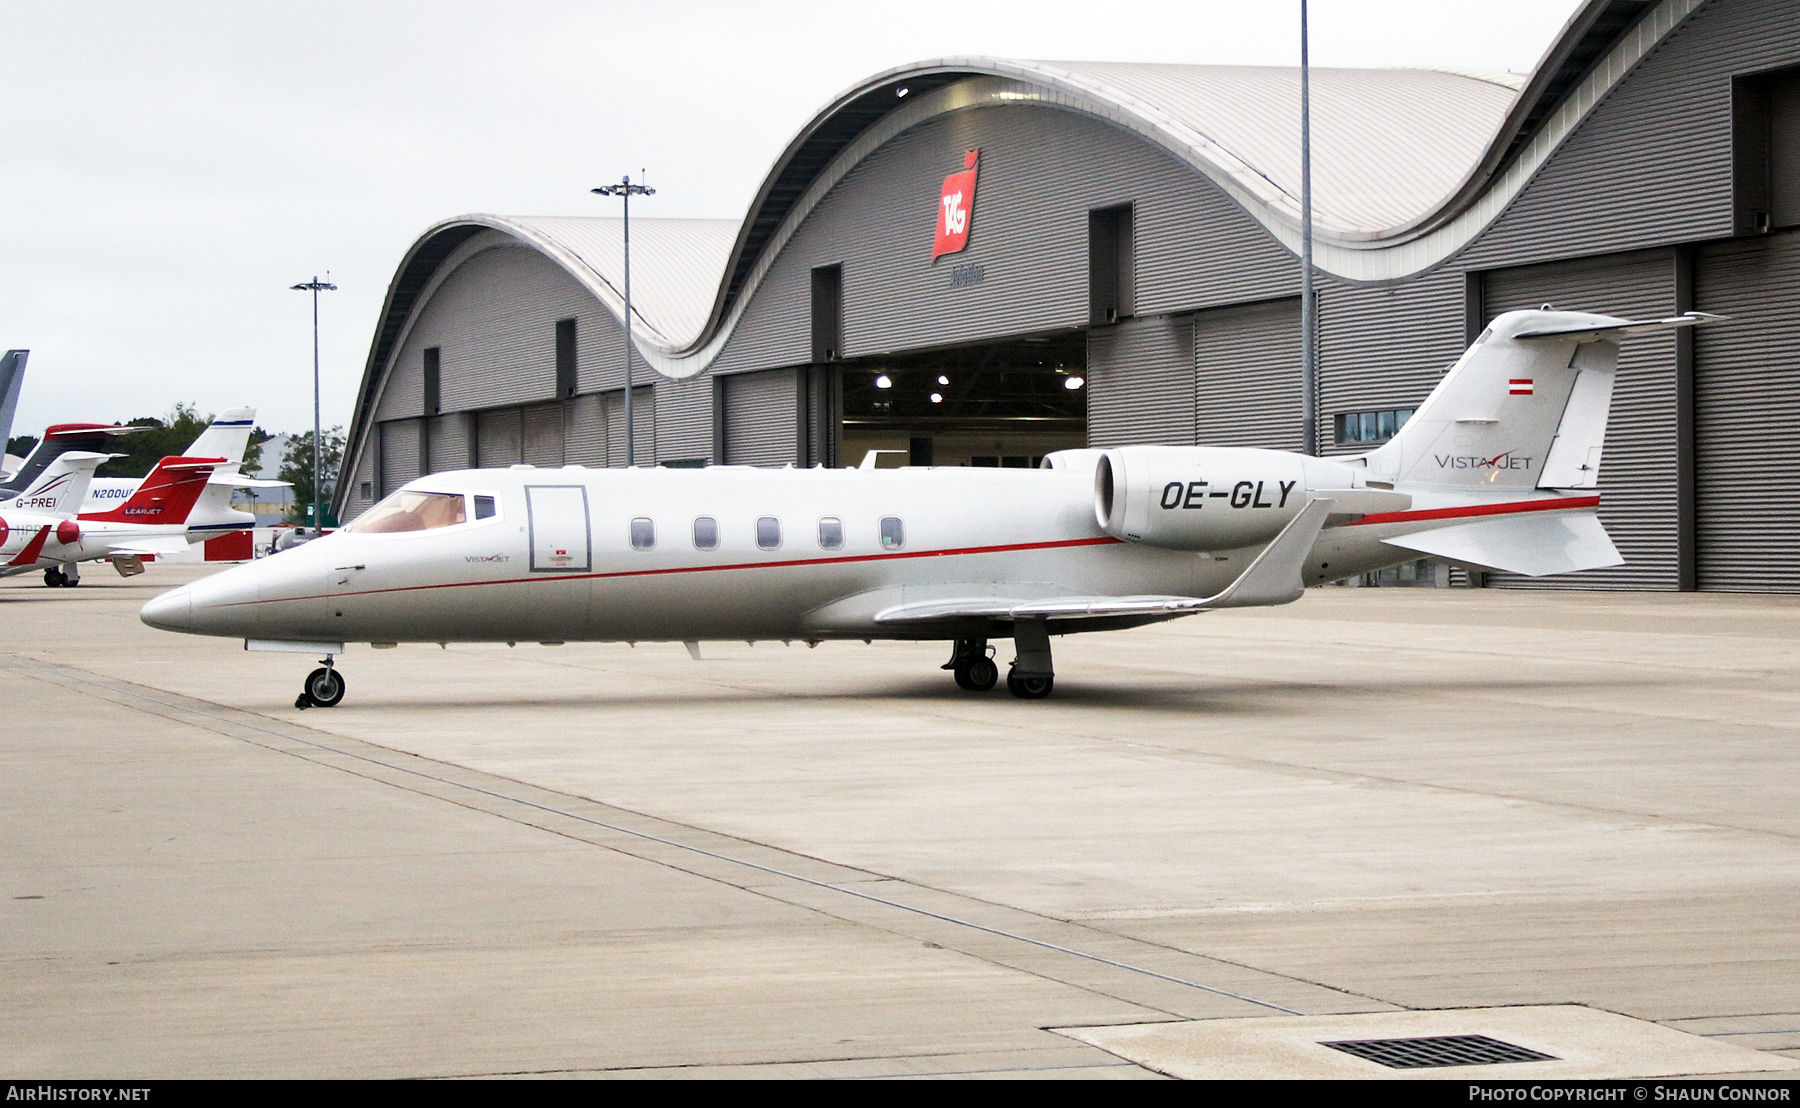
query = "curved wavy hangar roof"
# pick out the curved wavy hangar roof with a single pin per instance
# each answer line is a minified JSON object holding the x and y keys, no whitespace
{"x":1409,"y":166}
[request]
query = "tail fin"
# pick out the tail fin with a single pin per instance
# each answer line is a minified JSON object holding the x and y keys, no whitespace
{"x":12,"y":378}
{"x":62,"y":486}
{"x":228,"y":436}
{"x":167,"y":494}
{"x":1525,"y":407}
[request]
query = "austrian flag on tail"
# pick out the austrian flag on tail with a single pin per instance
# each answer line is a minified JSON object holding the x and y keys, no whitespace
{"x":956,"y":208}
{"x":1521,"y":386}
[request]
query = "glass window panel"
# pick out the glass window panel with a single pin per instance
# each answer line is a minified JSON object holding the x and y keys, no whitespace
{"x":831,"y":533}
{"x":407,"y":510}
{"x":1368,"y":427}
{"x":706,"y":533}
{"x":485,"y":507}
{"x":768,"y":533}
{"x":893,"y":533}
{"x":1385,"y":425}
{"x":643,"y":534}
{"x":1401,"y":416}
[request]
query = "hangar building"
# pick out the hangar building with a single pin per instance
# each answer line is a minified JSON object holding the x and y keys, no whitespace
{"x":1128,"y":273}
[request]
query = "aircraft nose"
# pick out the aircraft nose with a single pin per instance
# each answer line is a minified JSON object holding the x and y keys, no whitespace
{"x":172,"y":611}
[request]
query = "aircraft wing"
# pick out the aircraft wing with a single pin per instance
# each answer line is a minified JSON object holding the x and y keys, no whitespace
{"x":1273,"y":578}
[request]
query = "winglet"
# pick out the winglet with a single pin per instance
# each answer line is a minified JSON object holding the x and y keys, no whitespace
{"x":1275,"y":576}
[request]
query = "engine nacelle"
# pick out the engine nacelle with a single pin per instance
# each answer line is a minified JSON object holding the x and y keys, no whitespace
{"x":1221,"y":497}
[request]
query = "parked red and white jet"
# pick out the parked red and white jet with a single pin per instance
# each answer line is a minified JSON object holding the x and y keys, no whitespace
{"x":38,"y":524}
{"x":1498,"y":468}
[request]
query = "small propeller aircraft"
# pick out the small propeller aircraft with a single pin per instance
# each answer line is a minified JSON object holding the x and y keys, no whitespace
{"x":1498,"y":468}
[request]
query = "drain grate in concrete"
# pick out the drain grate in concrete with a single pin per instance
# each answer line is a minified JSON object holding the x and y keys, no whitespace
{"x":1438,"y":1050}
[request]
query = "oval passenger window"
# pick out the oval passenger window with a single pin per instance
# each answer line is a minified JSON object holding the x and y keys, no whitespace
{"x":831,"y":533}
{"x":484,"y":507}
{"x":706,"y":533}
{"x":643,"y":533}
{"x":893,"y":533}
{"x":768,"y":533}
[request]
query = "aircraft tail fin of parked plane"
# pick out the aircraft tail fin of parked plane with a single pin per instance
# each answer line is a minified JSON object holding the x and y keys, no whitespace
{"x":227,"y":436}
{"x":167,"y":494}
{"x":12,"y":378}
{"x":61,"y":487}
{"x":1521,"y":414}
{"x":1525,"y":407}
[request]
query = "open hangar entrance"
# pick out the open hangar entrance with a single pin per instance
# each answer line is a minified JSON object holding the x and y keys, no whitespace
{"x":1003,"y":403}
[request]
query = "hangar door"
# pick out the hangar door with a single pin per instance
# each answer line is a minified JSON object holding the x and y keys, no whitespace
{"x":1247,"y":375}
{"x":1746,"y":394}
{"x":399,"y":453}
{"x":761,"y":417}
{"x":1141,"y":382}
{"x":1638,"y":472}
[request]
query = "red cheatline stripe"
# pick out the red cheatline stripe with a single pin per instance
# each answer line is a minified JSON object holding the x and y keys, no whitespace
{"x":1101,"y":541}
{"x":1551,"y":504}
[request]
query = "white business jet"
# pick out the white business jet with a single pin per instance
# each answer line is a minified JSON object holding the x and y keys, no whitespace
{"x":1498,"y":468}
{"x":37,"y":526}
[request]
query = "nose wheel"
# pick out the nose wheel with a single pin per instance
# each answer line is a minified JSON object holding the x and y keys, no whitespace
{"x":323,"y":689}
{"x":973,"y":664}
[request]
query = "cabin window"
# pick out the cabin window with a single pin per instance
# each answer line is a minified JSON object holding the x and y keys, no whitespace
{"x":768,"y":533}
{"x":407,"y":510}
{"x":485,"y":508}
{"x":893,"y":533}
{"x":706,"y":533}
{"x":643,"y":534}
{"x":831,"y":533}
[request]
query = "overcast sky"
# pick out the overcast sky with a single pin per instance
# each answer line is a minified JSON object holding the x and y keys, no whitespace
{"x":167,"y":170}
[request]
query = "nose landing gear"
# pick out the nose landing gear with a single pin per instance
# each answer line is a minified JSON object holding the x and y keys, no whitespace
{"x":973,"y":663}
{"x":323,"y":689}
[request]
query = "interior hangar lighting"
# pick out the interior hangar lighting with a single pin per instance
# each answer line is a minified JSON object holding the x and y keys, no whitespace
{"x":902,"y":91}
{"x":937,"y":398}
{"x":942,"y":380}
{"x":1073,"y":383}
{"x":884,"y":382}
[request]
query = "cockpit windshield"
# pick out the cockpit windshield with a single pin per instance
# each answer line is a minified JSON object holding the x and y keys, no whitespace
{"x":408,"y":510}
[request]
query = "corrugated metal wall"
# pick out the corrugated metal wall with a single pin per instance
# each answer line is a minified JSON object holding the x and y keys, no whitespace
{"x":543,"y":433}
{"x":399,"y":453}
{"x":584,"y":430}
{"x":643,"y":424}
{"x":1747,"y":401}
{"x":1637,"y":470}
{"x":1247,"y":375}
{"x":1042,"y":170}
{"x":500,"y":438}
{"x":1385,"y":347}
{"x":449,"y":442}
{"x":684,"y":419}
{"x":359,"y":501}
{"x":1140,"y":382}
{"x":761,"y":417}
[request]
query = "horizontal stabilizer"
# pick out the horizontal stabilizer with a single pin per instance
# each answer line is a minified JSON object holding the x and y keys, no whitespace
{"x":239,"y":481}
{"x":1615,"y":332}
{"x":169,"y":544}
{"x":1536,"y":544}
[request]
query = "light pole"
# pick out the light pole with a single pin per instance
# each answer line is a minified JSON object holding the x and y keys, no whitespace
{"x":316,"y":286}
{"x":1309,"y":303}
{"x":625,"y":190}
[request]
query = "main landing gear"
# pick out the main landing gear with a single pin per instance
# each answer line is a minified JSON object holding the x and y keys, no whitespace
{"x":65,"y":576}
{"x":973,"y":662}
{"x":1031,"y":677}
{"x":323,"y":689}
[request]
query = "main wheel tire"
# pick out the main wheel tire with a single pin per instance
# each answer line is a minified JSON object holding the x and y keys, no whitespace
{"x":1029,"y":688}
{"x":53,"y":578}
{"x":324,"y":687}
{"x":977,"y":674}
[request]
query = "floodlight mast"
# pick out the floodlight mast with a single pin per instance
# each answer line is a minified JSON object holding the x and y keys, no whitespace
{"x":1309,"y":301}
{"x":625,"y":190}
{"x":316,"y":286}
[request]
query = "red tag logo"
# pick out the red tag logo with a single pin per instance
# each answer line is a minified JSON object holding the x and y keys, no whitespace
{"x":956,"y":209}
